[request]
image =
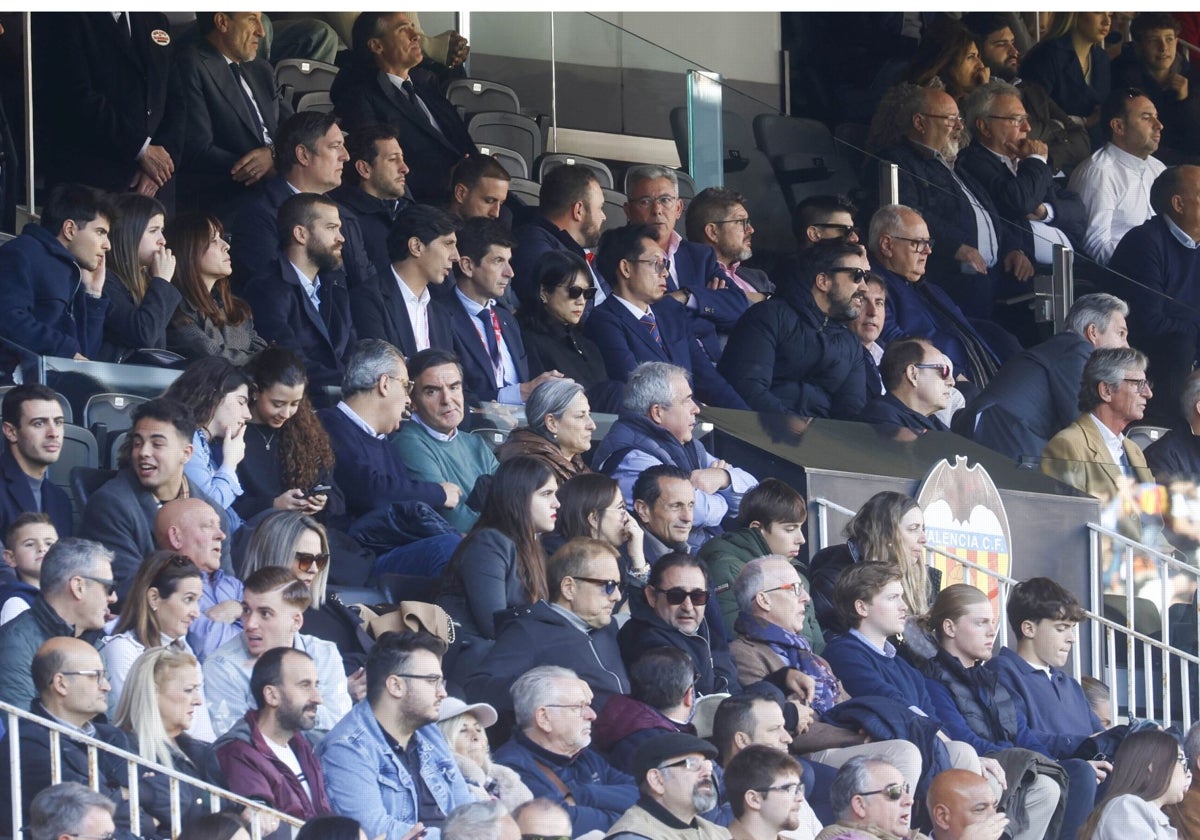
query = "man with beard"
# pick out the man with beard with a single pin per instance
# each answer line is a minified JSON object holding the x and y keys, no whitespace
{"x":265,"y":755}
{"x":33,"y":430}
{"x":765,"y":792}
{"x":976,"y":250}
{"x":718,"y":218}
{"x":302,"y":303}
{"x":674,"y":773}
{"x":1067,"y":140}
{"x":386,"y":763}
{"x":794,"y":353}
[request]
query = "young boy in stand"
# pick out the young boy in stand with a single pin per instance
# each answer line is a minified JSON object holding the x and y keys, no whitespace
{"x":25,"y":544}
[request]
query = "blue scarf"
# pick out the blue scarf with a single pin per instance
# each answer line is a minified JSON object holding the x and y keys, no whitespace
{"x":797,"y":653}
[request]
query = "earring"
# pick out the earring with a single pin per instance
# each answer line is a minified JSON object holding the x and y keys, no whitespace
{"x":543,"y":300}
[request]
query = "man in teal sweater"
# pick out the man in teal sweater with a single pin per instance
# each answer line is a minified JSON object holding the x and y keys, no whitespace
{"x":432,"y":445}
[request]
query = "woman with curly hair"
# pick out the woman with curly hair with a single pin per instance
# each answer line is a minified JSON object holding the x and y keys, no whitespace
{"x":138,"y":284}
{"x":889,"y":528}
{"x":210,"y":321}
{"x":288,"y":456}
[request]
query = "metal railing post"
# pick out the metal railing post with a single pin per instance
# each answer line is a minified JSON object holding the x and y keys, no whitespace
{"x":889,"y":183}
{"x":1063,"y":293}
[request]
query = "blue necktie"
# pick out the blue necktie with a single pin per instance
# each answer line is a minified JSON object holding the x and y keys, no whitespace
{"x":652,"y":326}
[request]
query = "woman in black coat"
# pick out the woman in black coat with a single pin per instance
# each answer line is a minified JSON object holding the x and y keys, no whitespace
{"x":551,"y":332}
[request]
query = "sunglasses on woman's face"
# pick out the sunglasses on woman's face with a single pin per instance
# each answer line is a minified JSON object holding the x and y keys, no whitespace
{"x":577,"y":292}
{"x":306,"y":561}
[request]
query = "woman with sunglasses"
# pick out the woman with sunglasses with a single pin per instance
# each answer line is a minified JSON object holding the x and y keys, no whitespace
{"x":974,"y":707}
{"x":1149,"y":772}
{"x":138,"y":284}
{"x":501,"y":562}
{"x":291,"y":540}
{"x":550,"y":328}
{"x":559,"y":431}
{"x":888,"y":528}
{"x":163,"y":601}
{"x":210,"y":320}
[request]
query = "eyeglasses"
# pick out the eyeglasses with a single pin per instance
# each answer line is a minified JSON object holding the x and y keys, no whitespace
{"x":919,"y":246}
{"x":795,"y":789}
{"x":577,"y":292}
{"x":1015,"y":119}
{"x":1142,"y":386}
{"x":745,"y":223}
{"x":544,"y":837}
{"x":859,"y":275}
{"x":676,"y":595}
{"x":436,"y":680}
{"x":404,"y":383}
{"x":663,"y":201}
{"x":845,"y":230}
{"x":943,"y":370}
{"x":581,"y":708}
{"x":108,"y":836}
{"x":795,"y":587}
{"x":609,"y":586}
{"x":949,"y":119}
{"x":96,"y":673}
{"x":616,"y":509}
{"x":660,"y":265}
{"x":692,"y":763}
{"x":306,"y":560}
{"x":110,"y":586}
{"x":893,"y":791}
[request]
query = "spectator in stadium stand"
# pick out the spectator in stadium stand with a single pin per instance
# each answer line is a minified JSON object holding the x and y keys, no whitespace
{"x":224,"y":109}
{"x":222,"y":825}
{"x":139,"y":270}
{"x":1035,"y":394}
{"x":1156,"y":265}
{"x":1071,"y":64}
{"x":919,"y":379}
{"x":159,"y":447}
{"x":70,"y":809}
{"x":53,"y":291}
{"x":33,"y":431}
{"x":422,"y":246}
{"x":543,"y":817}
{"x":794,"y":354}
{"x":387,"y":88}
{"x":664,"y":504}
{"x":374,"y":188}
{"x":766,"y":794}
{"x":479,"y":187}
{"x":1115,"y":182}
{"x":591,"y":505}
{"x":29,"y":538}
{"x":312,"y":154}
{"x":302,"y":302}
{"x":868,"y":326}
{"x":718,"y":217}
{"x":559,"y":429}
{"x":640,"y":322}
{"x":871,"y":801}
{"x":76,"y":592}
{"x":210,"y":320}
{"x":1185,"y":815}
{"x":570,"y":215}
{"x":1176,"y":455}
{"x":824,"y":217}
{"x":961,"y":806}
{"x":464,"y":726}
{"x":1149,"y":772}
{"x":948,"y":52}
{"x":107,"y":72}
{"x":485,"y":818}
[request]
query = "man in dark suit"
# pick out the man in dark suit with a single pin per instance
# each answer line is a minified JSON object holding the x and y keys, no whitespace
{"x":383,"y":89}
{"x":374,"y":188}
{"x":33,"y":428}
{"x":224,"y":110}
{"x":718,"y":218}
{"x":487,"y":339}
{"x":639,"y":322}
{"x":868,"y":326}
{"x":571,"y":208}
{"x":919,"y":379}
{"x":302,"y":303}
{"x":1176,"y":455}
{"x":100,"y":81}
{"x":1035,"y":395}
{"x":397,"y":307}
{"x":311,"y":155}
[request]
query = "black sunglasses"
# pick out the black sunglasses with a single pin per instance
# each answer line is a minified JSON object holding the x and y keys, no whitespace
{"x":894,"y":791}
{"x":943,"y":370}
{"x":860,"y":275}
{"x":677,"y":595}
{"x":609,"y":586}
{"x":577,"y":292}
{"x":306,"y":561}
{"x":110,"y":586}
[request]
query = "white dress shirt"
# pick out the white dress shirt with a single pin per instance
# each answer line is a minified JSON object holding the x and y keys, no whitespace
{"x":1115,"y":188}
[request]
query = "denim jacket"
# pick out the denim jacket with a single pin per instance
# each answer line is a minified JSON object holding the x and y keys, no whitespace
{"x":355,"y":751}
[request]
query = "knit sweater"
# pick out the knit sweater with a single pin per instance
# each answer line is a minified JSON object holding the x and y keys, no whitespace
{"x":460,"y":460}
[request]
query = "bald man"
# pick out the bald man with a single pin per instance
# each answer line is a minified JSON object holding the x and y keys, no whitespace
{"x":193,"y":528}
{"x":963,"y":807}
{"x":73,"y":691}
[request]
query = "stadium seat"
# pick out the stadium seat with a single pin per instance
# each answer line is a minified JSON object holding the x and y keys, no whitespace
{"x":614,"y":210}
{"x":512,"y":162}
{"x":87,"y":480}
{"x":315,"y":100}
{"x":79,"y":449}
{"x":804,"y":156}
{"x":509,"y":131}
{"x":475,"y":95}
{"x":298,"y":76}
{"x":528,"y":191}
{"x":1143,"y":436}
{"x":107,"y":415}
{"x":553,"y":160}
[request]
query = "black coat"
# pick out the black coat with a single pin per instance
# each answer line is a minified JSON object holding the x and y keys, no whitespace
{"x":534,"y":240}
{"x":362,"y":99}
{"x":16,"y":497}
{"x":379,"y":311}
{"x":889,"y":410}
{"x":100,"y":92}
{"x":552,"y":345}
{"x":787,"y":356}
{"x":284,"y":315}
{"x":129,"y":325}
{"x":710,"y":654}
{"x":1175,"y":455}
{"x":374,"y":221}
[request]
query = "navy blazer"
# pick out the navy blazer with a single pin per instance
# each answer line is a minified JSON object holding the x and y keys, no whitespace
{"x":371,"y":99}
{"x":379,"y":311}
{"x":695,"y":264}
{"x":284,"y":315}
{"x":1054,"y":66}
{"x":625,"y":343}
{"x":534,"y":240}
{"x":16,"y":497}
{"x":479,"y":381}
{"x":211,"y":126}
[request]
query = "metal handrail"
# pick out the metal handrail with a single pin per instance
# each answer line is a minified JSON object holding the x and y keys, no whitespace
{"x":136,"y":764}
